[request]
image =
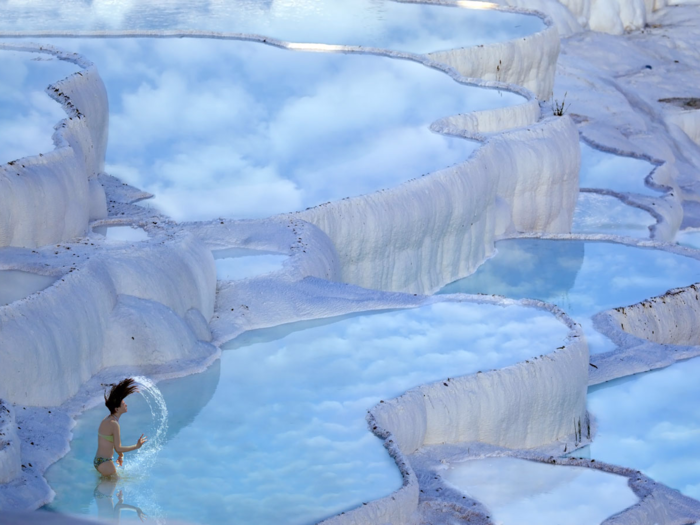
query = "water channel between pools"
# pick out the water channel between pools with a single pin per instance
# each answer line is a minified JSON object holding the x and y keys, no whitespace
{"x":27,"y":114}
{"x":276,"y":432}
{"x":582,"y":278}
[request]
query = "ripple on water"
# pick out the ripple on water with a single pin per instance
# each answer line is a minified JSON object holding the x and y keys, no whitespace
{"x":284,"y":439}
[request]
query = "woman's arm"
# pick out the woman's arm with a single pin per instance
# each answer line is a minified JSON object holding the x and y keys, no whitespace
{"x":118,"y":440}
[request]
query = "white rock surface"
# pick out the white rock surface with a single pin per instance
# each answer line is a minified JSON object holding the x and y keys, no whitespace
{"x":57,"y":182}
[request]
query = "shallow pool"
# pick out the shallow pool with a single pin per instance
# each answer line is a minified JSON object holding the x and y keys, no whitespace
{"x":689,"y":238}
{"x":241,"y":263}
{"x":597,"y":213}
{"x":651,"y":422}
{"x":582,"y":278}
{"x":121,"y":233}
{"x":27,"y":113}
{"x":16,"y":285}
{"x":600,"y":169}
{"x":417,"y":28}
{"x":516,"y":491}
{"x":284,"y":437}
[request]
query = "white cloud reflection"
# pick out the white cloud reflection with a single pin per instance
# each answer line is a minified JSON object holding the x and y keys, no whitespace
{"x":284,"y":439}
{"x":373,"y":23}
{"x":239,"y":129}
{"x":517,"y":491}
{"x":582,"y":278}
{"x":27,"y":113}
{"x":651,"y":422}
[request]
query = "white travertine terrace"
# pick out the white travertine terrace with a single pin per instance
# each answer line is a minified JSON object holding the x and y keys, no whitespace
{"x":155,"y":306}
{"x":10,"y":462}
{"x":60,"y":183}
{"x":670,"y":319}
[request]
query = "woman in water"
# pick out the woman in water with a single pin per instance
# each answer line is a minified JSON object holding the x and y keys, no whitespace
{"x":108,"y":434}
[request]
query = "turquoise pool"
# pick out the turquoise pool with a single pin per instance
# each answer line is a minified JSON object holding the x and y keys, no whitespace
{"x":276,"y":432}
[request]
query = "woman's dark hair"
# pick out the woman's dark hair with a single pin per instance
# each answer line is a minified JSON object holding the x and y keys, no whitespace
{"x":119,"y":392}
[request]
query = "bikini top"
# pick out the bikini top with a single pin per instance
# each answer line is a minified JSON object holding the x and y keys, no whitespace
{"x":108,"y":438}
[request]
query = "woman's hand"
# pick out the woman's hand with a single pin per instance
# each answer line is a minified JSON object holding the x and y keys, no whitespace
{"x":141,"y":441}
{"x":120,"y":459}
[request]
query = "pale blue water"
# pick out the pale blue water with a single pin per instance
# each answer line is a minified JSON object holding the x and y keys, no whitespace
{"x":16,"y":284}
{"x":27,"y":114}
{"x":279,"y":435}
{"x":121,"y":233}
{"x":243,"y":130}
{"x":603,"y":170}
{"x":596,"y":213}
{"x":582,"y":278}
{"x":689,"y":238}
{"x":374,"y":23}
{"x":651,"y":422}
{"x":241,"y":263}
{"x":552,"y":494}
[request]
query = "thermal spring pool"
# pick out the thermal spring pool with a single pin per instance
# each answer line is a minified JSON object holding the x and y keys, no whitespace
{"x":283,"y":438}
{"x":552,"y":494}
{"x":416,"y":28}
{"x":121,"y":233}
{"x":651,"y":422}
{"x":240,"y":263}
{"x":582,"y":278}
{"x":27,"y":113}
{"x":603,"y":170}
{"x":596,"y":213}
{"x":16,"y":285}
{"x":268,"y":130}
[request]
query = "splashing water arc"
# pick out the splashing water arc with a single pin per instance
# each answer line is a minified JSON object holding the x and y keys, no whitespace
{"x":143,"y":460}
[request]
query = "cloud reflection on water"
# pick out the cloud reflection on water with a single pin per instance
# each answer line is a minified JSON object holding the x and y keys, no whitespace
{"x":582,"y":278}
{"x":372,"y":23}
{"x":243,"y":130}
{"x":27,"y":113}
{"x":284,"y":438}
{"x":651,"y":422}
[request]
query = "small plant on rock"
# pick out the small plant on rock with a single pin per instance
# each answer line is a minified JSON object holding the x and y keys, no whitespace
{"x":558,"y":109}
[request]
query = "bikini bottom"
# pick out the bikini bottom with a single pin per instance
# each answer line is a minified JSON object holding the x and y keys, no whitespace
{"x":98,"y":461}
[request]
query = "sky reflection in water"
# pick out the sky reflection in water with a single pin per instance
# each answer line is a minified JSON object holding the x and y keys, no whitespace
{"x":284,"y":437}
{"x":582,"y":278}
{"x":241,"y":263}
{"x":244,"y":130}
{"x":16,"y":284}
{"x":600,"y":169}
{"x":517,"y":491}
{"x":596,"y":213}
{"x":651,"y":422}
{"x":375,"y":23}
{"x":27,"y":114}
